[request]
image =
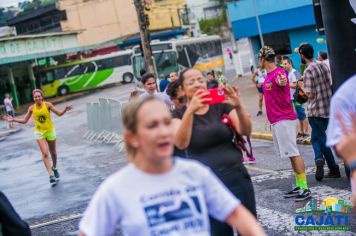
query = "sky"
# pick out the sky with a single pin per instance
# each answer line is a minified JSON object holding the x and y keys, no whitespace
{"x":7,"y":3}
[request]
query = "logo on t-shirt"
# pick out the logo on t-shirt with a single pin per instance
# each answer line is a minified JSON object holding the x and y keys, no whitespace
{"x":41,"y":119}
{"x":268,"y":86}
{"x":174,"y":211}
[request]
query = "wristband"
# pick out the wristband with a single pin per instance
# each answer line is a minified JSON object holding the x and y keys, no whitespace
{"x":352,"y":166}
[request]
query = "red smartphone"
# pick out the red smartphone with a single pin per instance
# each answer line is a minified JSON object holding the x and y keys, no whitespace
{"x":217,"y":95}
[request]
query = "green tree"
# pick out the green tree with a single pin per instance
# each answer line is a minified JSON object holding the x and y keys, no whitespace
{"x":5,"y":15}
{"x":214,"y":25}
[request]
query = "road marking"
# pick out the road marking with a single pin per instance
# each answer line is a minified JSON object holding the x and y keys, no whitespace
{"x":254,"y":168}
{"x":58,"y":220}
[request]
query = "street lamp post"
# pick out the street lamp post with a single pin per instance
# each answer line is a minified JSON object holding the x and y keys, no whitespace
{"x":258,"y":23}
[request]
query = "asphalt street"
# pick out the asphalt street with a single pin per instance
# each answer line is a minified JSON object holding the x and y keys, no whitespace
{"x":84,"y":165}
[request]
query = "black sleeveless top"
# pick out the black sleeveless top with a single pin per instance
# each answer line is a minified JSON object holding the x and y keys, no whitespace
{"x":211,"y":140}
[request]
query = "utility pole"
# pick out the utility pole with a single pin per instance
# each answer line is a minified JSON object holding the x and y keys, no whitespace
{"x":145,"y":35}
{"x":340,"y":30}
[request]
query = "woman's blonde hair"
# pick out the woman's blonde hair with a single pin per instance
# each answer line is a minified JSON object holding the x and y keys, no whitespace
{"x":129,"y":119}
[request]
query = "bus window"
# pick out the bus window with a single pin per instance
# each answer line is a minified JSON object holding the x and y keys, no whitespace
{"x":60,"y":73}
{"x":165,"y":63}
{"x":49,"y":77}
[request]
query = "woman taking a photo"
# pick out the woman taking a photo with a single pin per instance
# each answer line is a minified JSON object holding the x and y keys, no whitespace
{"x":199,"y":130}
{"x":45,"y":133}
{"x":156,"y":194}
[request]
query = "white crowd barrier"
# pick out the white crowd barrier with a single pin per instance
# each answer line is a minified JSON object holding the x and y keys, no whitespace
{"x":3,"y":123}
{"x":104,"y":122}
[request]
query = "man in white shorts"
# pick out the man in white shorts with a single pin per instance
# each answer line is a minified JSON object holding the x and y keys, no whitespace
{"x":281,"y":115}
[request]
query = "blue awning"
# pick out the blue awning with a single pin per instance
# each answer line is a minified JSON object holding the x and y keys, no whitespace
{"x":161,"y":35}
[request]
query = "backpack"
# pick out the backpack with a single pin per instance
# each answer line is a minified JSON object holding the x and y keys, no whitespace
{"x":300,"y":96}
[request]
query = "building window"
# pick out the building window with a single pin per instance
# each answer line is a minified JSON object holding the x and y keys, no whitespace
{"x":212,"y":12}
{"x":279,"y":41}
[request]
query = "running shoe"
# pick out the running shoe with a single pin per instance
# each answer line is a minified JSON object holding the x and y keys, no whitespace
{"x":300,"y":135}
{"x":319,"y":174}
{"x":251,"y":160}
{"x":52,"y":180}
{"x":293,"y":193}
{"x":244,"y":160}
{"x":304,"y":194}
{"x":259,"y":113}
{"x":55,"y":172}
{"x":333,"y":174}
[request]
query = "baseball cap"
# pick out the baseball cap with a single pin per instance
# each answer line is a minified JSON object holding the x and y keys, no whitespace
{"x":266,"y":52}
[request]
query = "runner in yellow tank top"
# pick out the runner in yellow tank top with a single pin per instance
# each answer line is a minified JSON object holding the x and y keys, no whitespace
{"x":45,"y":133}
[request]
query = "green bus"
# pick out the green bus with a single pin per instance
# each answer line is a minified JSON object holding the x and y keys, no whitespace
{"x":87,"y":73}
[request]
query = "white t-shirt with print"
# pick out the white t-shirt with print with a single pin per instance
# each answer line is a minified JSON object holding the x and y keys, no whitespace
{"x":261,"y":76}
{"x":8,"y":104}
{"x":174,"y":203}
{"x":292,"y":79}
{"x":342,"y":103}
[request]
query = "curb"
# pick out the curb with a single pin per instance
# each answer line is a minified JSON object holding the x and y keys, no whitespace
{"x":263,"y":136}
{"x":267,"y":136}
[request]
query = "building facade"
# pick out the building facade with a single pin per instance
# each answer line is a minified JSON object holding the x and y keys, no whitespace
{"x":165,"y":14}
{"x":284,"y":26}
{"x":98,"y":21}
{"x":201,"y":9}
{"x":44,"y":20}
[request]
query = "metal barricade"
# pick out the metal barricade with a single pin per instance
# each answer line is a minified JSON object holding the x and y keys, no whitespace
{"x":3,"y":123}
{"x":105,"y":122}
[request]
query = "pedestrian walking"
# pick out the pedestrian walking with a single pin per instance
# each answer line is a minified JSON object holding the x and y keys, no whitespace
{"x":283,"y":121}
{"x":10,"y":222}
{"x":157,"y":194}
{"x":346,"y":149}
{"x":150,"y":86}
{"x":229,"y":52}
{"x":176,"y":94}
{"x":199,"y":129}
{"x":163,"y":84}
{"x":343,"y":104}
{"x":295,"y":80}
{"x":45,"y":132}
{"x":9,"y":108}
{"x":258,"y":77}
{"x":212,"y":82}
{"x":317,"y":86}
{"x":173,"y":76}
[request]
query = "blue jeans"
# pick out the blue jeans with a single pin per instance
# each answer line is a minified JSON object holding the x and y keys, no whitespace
{"x":318,"y":139}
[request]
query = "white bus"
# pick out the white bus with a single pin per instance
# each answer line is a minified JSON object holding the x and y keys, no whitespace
{"x":87,"y":73}
{"x":204,"y":53}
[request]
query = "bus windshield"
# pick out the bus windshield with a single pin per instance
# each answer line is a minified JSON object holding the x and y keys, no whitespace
{"x":165,"y":63}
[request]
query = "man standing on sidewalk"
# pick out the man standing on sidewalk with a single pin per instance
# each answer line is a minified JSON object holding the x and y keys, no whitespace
{"x":294,"y":78}
{"x":317,"y":86}
{"x":283,"y":120}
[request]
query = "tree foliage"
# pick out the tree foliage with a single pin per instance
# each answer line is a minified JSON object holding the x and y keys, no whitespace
{"x":213,"y":26}
{"x":34,"y":4}
{"x":5,"y":15}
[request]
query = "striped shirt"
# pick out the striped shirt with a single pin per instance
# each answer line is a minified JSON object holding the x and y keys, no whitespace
{"x":317,"y":81}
